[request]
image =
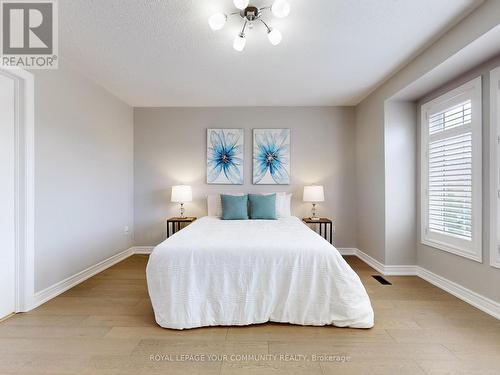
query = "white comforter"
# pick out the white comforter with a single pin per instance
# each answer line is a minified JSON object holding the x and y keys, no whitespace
{"x":217,"y":272}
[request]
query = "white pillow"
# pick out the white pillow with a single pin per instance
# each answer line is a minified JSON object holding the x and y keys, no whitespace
{"x":214,"y":204}
{"x":283,"y":205}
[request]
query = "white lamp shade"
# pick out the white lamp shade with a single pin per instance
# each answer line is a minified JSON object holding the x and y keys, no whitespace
{"x":181,"y":194}
{"x":217,"y":21}
{"x":281,"y":8}
{"x":313,"y":193}
{"x":274,"y":37}
{"x":239,"y":43}
{"x":240,"y":4}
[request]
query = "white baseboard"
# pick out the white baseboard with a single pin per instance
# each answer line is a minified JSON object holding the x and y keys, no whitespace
{"x":142,"y":249}
{"x":68,"y":283}
{"x":481,"y":302}
{"x":347,"y":250}
{"x":388,"y":270}
{"x":372,"y":262}
{"x":404,"y":270}
{"x":54,"y":290}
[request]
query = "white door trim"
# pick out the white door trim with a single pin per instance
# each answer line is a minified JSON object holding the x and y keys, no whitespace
{"x":24,"y":186}
{"x":494,"y":157}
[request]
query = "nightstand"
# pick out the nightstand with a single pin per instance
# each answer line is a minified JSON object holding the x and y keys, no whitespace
{"x":325,"y":227}
{"x":175,"y":224}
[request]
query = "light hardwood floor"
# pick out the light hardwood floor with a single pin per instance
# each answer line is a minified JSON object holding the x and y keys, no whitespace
{"x":106,"y":326}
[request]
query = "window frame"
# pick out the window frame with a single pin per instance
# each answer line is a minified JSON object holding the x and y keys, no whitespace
{"x":494,"y":167}
{"x":472,"y":91}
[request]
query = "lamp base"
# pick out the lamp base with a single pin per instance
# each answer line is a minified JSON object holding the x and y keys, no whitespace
{"x":313,"y":211}
{"x":315,"y":218}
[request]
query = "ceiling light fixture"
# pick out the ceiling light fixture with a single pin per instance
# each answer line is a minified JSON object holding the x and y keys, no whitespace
{"x":280,"y":8}
{"x":239,"y":42}
{"x":250,"y":14}
{"x":240,"y":4}
{"x":217,"y":21}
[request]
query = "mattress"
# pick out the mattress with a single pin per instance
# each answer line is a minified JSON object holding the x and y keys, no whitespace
{"x":220,"y":272}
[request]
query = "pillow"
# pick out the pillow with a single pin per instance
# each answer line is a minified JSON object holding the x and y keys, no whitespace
{"x":214,"y":204}
{"x":283,"y":205}
{"x":234,"y":207}
{"x":262,"y":206}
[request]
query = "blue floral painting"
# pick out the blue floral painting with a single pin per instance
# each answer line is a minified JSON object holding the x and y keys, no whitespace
{"x":225,"y":156}
{"x":271,"y":156}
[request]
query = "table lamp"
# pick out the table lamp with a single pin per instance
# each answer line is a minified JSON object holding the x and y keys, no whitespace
{"x":181,"y":194}
{"x":314,"y":194}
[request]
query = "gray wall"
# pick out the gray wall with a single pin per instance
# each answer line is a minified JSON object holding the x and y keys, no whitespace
{"x":170,"y":148}
{"x":83,"y":175}
{"x":370,"y":124}
{"x":400,"y":182}
{"x":370,"y":163}
{"x":481,"y":278}
{"x":370,"y":179}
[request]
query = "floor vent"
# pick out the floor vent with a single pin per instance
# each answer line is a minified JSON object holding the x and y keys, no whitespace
{"x":381,"y":280}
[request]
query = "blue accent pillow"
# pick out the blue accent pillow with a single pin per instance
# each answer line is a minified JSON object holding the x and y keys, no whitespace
{"x":262,"y":206}
{"x":234,"y":207}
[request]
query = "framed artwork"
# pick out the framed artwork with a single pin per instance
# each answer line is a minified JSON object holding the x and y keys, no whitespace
{"x":225,"y":156}
{"x":271,"y":156}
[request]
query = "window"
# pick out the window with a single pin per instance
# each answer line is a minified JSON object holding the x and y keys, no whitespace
{"x":451,"y":171}
{"x":495,"y":168}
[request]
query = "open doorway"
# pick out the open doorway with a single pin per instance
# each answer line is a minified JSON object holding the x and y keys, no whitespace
{"x":7,"y":195}
{"x":16,"y":191}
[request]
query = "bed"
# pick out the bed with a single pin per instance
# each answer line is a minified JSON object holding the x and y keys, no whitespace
{"x":219,"y":272}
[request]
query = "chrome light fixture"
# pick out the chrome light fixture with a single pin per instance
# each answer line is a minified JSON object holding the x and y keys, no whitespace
{"x":250,"y":14}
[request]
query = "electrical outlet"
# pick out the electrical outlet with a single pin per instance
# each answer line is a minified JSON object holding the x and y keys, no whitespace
{"x":126,"y":230}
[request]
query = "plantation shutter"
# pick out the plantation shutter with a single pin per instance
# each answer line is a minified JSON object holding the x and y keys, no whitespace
{"x":450,"y":172}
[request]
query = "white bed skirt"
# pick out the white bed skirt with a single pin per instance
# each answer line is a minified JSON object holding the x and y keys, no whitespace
{"x":220,"y":273}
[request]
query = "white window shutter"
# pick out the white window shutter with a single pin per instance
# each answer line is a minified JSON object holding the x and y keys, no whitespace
{"x":450,"y":186}
{"x":451,"y":171}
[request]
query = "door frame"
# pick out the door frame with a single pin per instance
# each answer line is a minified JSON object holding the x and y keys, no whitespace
{"x":24,"y":194}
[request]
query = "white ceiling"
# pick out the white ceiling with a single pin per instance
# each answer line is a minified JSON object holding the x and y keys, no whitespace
{"x":162,"y":52}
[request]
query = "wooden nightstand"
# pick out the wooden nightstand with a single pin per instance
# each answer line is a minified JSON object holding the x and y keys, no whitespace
{"x":177,"y":223}
{"x":325,"y":227}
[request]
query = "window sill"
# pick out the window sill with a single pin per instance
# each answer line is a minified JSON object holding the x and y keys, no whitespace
{"x":453,"y":250}
{"x":494,"y":262}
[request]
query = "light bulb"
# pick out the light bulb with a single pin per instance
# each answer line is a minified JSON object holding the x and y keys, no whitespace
{"x":274,"y":37}
{"x":240,"y":4}
{"x":217,"y":21}
{"x":239,"y":42}
{"x":281,"y":8}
